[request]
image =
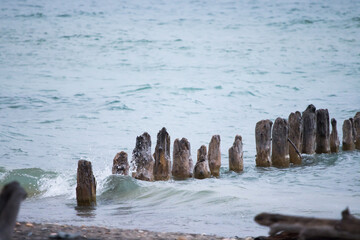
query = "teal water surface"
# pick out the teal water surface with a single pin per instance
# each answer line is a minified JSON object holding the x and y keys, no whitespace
{"x":80,"y":80}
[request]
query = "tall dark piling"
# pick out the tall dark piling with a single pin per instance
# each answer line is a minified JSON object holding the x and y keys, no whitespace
{"x":334,"y":138}
{"x":348,"y":138}
{"x":296,"y":136}
{"x":280,"y":147}
{"x":309,"y":130}
{"x":357,"y":130}
{"x":263,"y":143}
{"x":11,"y":197}
{"x":162,"y":167}
{"x":214,"y":156}
{"x":121,"y":164}
{"x":201,"y":169}
{"x":86,"y":184}
{"x":236,"y":155}
{"x":182,"y":162}
{"x":142,"y":159}
{"x":322,"y":131}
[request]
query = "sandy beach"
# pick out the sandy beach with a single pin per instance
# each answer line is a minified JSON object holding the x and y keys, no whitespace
{"x":26,"y":230}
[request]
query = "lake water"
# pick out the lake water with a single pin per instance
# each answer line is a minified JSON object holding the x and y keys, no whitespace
{"x":82,"y":79}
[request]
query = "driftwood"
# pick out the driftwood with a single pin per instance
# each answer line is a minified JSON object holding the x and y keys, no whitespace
{"x":236,"y":155}
{"x":263,"y":143}
{"x":295,"y":148}
{"x":10,"y":198}
{"x":322,"y":131}
{"x":201,"y":169}
{"x":334,"y":138}
{"x":357,"y":130}
{"x":280,"y":147}
{"x":309,"y":130}
{"x":86,"y":184}
{"x":295,"y":137}
{"x":182,"y":162}
{"x":142,"y":160}
{"x":348,"y":137}
{"x":312,"y":228}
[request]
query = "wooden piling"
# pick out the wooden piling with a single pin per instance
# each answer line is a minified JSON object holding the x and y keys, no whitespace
{"x":295,"y":136}
{"x":280,"y":147}
{"x":214,"y":156}
{"x":263,"y":143}
{"x":309,"y":130}
{"x":182,"y":162}
{"x":162,"y":167}
{"x":334,"y":138}
{"x":357,"y":130}
{"x":348,"y":139}
{"x":322,"y":131}
{"x":236,"y":155}
{"x":86,"y":184}
{"x":202,"y":169}
{"x":121,"y":164}
{"x":142,"y":158}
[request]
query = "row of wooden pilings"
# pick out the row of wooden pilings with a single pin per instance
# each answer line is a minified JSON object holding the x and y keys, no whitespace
{"x":285,"y":139}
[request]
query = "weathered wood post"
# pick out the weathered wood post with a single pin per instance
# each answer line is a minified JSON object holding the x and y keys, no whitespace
{"x":162,"y":167}
{"x":263,"y":143}
{"x":201,"y":169}
{"x":357,"y":130}
{"x":182,"y":161}
{"x":295,"y":135}
{"x":142,"y":159}
{"x":214,"y":156}
{"x":334,"y":138}
{"x":121,"y":164}
{"x":10,"y":199}
{"x":236,"y":155}
{"x":309,"y":130}
{"x":280,"y":147}
{"x":348,"y":139}
{"x":322,"y":131}
{"x":86,"y":184}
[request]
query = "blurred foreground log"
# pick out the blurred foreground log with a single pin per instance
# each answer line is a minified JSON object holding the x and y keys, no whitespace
{"x":312,"y":228}
{"x":10,"y":198}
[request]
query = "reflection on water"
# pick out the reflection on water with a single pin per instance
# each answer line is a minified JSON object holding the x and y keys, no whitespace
{"x":86,"y":211}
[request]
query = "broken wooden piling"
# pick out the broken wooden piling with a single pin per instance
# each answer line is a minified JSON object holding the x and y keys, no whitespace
{"x":214,"y":156}
{"x":348,"y":139}
{"x":236,"y":155}
{"x":162,"y":167}
{"x":295,"y":136}
{"x":309,"y":130}
{"x":263,"y":143}
{"x":121,"y":164}
{"x":86,"y":184}
{"x":201,"y":169}
{"x":182,"y":162}
{"x":280,"y":147}
{"x":334,"y":138}
{"x":142,"y":159}
{"x":322,"y":131}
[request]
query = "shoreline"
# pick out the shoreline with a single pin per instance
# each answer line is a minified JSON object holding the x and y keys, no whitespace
{"x":30,"y":230}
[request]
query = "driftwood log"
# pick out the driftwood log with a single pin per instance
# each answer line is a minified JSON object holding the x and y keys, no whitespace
{"x":121,"y":164}
{"x":280,"y":145}
{"x":312,"y":228}
{"x":334,"y":138}
{"x":295,"y":136}
{"x":201,"y":169}
{"x":263,"y":143}
{"x":142,"y":159}
{"x":348,"y":138}
{"x":236,"y":155}
{"x":162,"y":167}
{"x":322,"y":131}
{"x":86,"y":184}
{"x":309,"y":130}
{"x":182,"y":161}
{"x":10,"y":199}
{"x":214,"y":155}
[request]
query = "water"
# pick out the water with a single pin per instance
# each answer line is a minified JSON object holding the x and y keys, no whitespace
{"x":80,"y":80}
